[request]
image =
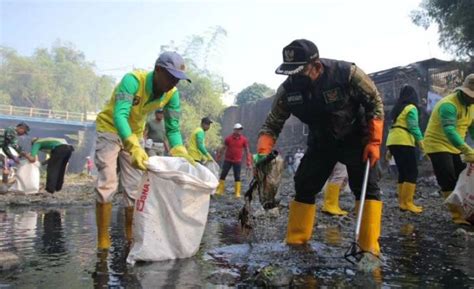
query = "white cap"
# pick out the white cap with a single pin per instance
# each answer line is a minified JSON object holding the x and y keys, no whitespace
{"x":238,"y":126}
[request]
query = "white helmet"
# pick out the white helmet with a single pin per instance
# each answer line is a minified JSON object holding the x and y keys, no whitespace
{"x":238,"y":126}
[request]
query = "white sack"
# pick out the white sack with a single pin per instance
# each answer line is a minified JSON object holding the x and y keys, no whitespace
{"x":463,"y":194}
{"x":171,"y":213}
{"x":27,"y":178}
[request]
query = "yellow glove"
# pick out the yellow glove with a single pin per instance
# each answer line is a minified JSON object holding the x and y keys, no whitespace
{"x":139,"y":156}
{"x":421,"y":145}
{"x":180,"y":151}
{"x":468,"y":153}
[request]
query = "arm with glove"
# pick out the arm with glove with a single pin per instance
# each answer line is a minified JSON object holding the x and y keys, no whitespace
{"x":123,"y":105}
{"x":372,"y":102}
{"x":172,"y":112}
{"x":448,"y":115}
{"x":200,"y":137}
{"x":414,"y":128}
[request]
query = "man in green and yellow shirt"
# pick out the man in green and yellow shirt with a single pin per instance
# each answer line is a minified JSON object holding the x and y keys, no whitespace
{"x":451,"y":119}
{"x":59,"y":154}
{"x":120,"y":128}
{"x":196,"y":147}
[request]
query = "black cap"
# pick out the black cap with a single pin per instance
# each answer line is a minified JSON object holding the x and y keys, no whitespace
{"x":25,"y":126}
{"x":206,"y":120}
{"x":159,"y":110}
{"x":296,"y":55}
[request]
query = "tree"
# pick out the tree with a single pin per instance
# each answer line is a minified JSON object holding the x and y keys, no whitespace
{"x":253,"y":93}
{"x":455,"y":24}
{"x":59,"y":78}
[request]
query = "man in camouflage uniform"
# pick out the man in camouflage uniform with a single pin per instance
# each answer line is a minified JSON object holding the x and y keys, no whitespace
{"x":344,"y":112}
{"x":9,"y":145}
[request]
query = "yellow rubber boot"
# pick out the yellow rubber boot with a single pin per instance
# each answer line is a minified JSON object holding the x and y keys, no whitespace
{"x":370,"y":227}
{"x":455,"y":211}
{"x":331,"y":200}
{"x":103,"y":213}
{"x":237,"y":187}
{"x":221,"y":187}
{"x":401,"y":203}
{"x":300,"y":223}
{"x":408,"y":193}
{"x":128,"y":223}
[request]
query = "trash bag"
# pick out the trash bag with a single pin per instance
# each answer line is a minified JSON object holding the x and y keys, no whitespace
{"x":27,"y":178}
{"x":270,"y":183}
{"x":463,"y":194}
{"x":171,"y":213}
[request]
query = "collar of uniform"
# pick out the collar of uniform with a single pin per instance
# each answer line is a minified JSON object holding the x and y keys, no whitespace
{"x":149,"y":83}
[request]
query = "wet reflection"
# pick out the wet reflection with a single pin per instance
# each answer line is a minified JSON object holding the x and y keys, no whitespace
{"x":332,"y":236}
{"x":52,"y":237}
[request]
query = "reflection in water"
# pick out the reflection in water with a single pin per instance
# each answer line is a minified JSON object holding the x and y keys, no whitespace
{"x":58,"y":250}
{"x":52,"y":237}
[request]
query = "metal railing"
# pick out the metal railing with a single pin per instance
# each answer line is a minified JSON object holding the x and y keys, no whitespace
{"x":46,"y":113}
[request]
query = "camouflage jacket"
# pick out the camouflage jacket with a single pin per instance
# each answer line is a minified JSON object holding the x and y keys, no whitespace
{"x":336,"y":107}
{"x":9,"y":139}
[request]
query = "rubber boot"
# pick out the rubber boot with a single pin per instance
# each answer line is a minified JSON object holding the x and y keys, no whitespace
{"x":408,"y":193}
{"x":103,"y":213}
{"x":128,"y":223}
{"x":300,"y":223}
{"x":331,"y":200}
{"x":455,"y":211}
{"x":237,"y":187}
{"x":221,"y":187}
{"x":370,"y":227}
{"x":401,"y":204}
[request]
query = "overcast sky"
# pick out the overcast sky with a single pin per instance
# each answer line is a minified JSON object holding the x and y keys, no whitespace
{"x":121,"y":35}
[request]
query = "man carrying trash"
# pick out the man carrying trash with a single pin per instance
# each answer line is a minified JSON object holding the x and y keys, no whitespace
{"x":451,"y":119}
{"x":120,"y":128}
{"x":197,"y":147}
{"x":155,"y":135}
{"x":344,"y":112}
{"x":234,"y":146}
{"x":59,"y":154}
{"x":9,"y":147}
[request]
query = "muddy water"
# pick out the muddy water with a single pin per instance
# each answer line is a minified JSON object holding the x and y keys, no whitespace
{"x":57,"y":250}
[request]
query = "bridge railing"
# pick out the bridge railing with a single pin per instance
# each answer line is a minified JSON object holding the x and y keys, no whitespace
{"x":43,"y":113}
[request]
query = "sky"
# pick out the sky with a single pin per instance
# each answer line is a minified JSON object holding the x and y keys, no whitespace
{"x":119,"y":36}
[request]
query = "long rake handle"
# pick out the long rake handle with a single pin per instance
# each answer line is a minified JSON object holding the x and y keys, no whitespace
{"x":362,"y":201}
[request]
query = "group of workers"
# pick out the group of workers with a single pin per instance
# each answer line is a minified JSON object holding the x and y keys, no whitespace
{"x":58,"y":150}
{"x":336,"y":99}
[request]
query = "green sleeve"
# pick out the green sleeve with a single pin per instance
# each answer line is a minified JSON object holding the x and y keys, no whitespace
{"x":448,"y":116}
{"x":412,"y":124}
{"x":35,"y":149}
{"x":200,"y":142}
{"x":172,"y":112}
{"x":123,"y":104}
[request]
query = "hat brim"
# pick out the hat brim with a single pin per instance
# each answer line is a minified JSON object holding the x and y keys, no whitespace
{"x":178,"y":74}
{"x":289,"y":68}
{"x":467,"y":91}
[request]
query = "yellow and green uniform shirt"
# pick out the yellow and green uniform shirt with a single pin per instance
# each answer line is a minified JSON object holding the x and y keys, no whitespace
{"x":405,"y":131}
{"x":196,"y":149}
{"x":448,"y":125}
{"x":132,"y":101}
{"x":46,"y":145}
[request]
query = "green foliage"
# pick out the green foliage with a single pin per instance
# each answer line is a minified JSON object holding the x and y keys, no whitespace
{"x":253,"y":93}
{"x":59,"y":78}
{"x":455,"y":24}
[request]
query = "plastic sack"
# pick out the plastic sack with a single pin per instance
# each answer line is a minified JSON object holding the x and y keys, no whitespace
{"x":213,"y":167}
{"x":463,"y":194}
{"x":27,"y":178}
{"x":171,"y":213}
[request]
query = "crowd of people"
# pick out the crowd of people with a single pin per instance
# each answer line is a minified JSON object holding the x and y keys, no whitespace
{"x":336,"y":99}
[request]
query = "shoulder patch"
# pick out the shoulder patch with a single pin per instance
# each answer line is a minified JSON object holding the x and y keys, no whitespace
{"x":333,"y":95}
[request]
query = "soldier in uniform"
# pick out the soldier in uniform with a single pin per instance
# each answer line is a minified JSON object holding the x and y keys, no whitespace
{"x":344,"y":112}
